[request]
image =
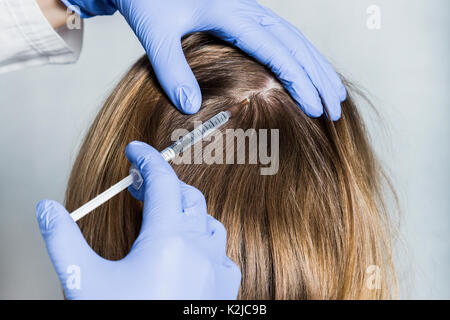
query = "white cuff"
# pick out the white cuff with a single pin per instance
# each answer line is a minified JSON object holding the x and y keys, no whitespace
{"x":27,"y":38}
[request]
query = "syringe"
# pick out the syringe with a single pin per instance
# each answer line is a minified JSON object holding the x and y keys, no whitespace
{"x":134,"y":178}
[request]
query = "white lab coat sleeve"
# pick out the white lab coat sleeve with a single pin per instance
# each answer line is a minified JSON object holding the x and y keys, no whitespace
{"x":27,"y":38}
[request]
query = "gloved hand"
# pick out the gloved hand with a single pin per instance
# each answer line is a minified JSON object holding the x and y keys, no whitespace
{"x":160,"y":24}
{"x":179,"y":253}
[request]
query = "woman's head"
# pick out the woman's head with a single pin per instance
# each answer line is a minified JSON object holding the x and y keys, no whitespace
{"x":313,"y":229}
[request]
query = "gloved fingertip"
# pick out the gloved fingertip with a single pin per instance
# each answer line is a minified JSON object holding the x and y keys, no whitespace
{"x":312,"y":111}
{"x":337,"y":116}
{"x":333,"y":107}
{"x":189,"y":101}
{"x":133,"y":148}
{"x":342,"y":93}
{"x":337,"y":112}
{"x":192,"y":200}
{"x":46,"y":211}
{"x":307,"y":98}
{"x":146,"y":158}
{"x":134,"y":143}
{"x":41,"y":208}
{"x":137,"y":142}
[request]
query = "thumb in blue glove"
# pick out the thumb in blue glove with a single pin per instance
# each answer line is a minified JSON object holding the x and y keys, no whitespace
{"x":256,"y":30}
{"x":179,"y":253}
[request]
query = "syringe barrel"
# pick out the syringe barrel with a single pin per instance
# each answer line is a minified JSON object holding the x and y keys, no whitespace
{"x":196,"y":135}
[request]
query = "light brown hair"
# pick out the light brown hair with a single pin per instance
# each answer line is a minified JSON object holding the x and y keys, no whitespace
{"x":311,"y":231}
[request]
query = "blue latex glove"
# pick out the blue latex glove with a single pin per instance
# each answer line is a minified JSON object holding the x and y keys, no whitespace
{"x":179,"y":253}
{"x":160,"y":24}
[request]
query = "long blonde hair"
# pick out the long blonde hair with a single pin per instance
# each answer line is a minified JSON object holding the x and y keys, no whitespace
{"x":318,"y":229}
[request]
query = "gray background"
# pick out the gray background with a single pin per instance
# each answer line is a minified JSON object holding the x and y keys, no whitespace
{"x":404,"y":66}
